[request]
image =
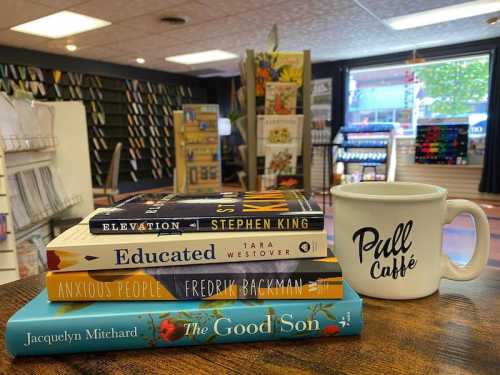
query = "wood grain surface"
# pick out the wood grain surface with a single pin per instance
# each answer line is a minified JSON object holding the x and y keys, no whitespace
{"x":455,"y":331}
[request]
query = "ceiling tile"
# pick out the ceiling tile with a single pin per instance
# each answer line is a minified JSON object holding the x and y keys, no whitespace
{"x":240,"y":41}
{"x":155,"y":54}
{"x":473,"y":28}
{"x":331,"y":29}
{"x":297,"y":9}
{"x":151,"y":63}
{"x":147,"y":44}
{"x":216,"y":28}
{"x":161,"y":64}
{"x":15,"y":39}
{"x":388,"y":9}
{"x":229,"y":45}
{"x":105,"y":35}
{"x":184,"y":48}
{"x":193,"y":11}
{"x":118,"y":10}
{"x":218,"y":65}
{"x":238,"y":6}
{"x":97,"y":53}
{"x":15,"y":12}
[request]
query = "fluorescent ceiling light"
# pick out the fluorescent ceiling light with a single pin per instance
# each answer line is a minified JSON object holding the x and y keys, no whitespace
{"x":60,"y":25}
{"x":202,"y":57}
{"x":445,"y":14}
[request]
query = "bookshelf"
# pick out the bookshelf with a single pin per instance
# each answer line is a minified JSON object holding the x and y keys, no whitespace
{"x":251,"y":119}
{"x":19,"y":162}
{"x":138,"y":113}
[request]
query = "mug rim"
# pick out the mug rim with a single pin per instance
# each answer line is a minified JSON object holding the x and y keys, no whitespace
{"x":339,"y":191}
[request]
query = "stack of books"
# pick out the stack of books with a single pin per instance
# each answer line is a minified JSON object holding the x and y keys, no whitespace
{"x":171,"y":270}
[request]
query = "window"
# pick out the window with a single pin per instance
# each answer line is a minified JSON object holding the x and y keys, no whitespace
{"x":455,"y":89}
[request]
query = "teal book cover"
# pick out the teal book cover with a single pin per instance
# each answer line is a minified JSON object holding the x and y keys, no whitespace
{"x":46,"y":328}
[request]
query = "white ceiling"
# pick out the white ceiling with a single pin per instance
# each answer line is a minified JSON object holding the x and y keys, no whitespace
{"x":332,"y":29}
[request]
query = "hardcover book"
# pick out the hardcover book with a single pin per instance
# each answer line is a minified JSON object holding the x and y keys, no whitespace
{"x":42,"y":328}
{"x":279,"y":129}
{"x":281,"y":98}
{"x":280,"y":279}
{"x":214,"y":212}
{"x":78,"y":250}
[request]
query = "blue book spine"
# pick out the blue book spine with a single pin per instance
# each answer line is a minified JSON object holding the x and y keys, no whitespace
{"x":68,"y":328}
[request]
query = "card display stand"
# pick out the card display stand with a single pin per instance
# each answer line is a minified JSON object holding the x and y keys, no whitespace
{"x":303,"y":174}
{"x":197,"y":150}
{"x":39,"y":183}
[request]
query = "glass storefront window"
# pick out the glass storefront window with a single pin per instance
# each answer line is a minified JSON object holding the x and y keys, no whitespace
{"x":402,"y":94}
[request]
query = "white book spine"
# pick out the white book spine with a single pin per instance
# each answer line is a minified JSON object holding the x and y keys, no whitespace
{"x":189,"y":250}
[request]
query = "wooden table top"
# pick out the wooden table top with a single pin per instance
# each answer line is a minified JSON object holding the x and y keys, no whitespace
{"x":455,"y":331}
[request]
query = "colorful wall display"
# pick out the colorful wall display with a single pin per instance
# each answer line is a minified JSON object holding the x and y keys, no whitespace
{"x":441,"y":144}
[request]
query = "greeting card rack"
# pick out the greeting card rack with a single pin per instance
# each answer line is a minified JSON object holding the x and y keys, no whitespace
{"x":251,"y":121}
{"x":40,"y":156}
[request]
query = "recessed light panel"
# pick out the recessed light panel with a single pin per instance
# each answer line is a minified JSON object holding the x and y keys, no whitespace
{"x":60,"y":25}
{"x":444,"y":14}
{"x":202,"y":57}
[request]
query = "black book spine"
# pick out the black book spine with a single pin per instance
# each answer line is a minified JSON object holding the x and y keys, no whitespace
{"x":218,"y":224}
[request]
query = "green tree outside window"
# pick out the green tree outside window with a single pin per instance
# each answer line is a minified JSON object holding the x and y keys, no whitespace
{"x":455,"y":86}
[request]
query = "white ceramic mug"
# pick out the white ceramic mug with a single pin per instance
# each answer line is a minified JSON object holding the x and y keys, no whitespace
{"x":388,"y":238}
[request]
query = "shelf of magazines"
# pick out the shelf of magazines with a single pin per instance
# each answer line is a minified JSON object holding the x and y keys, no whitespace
{"x":22,"y":144}
{"x":44,"y":216}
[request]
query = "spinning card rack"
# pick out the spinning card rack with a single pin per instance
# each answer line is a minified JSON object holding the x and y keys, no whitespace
{"x":251,"y":119}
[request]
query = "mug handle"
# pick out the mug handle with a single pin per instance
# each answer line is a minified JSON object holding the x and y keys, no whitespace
{"x":476,"y":264}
